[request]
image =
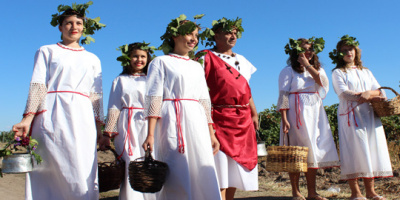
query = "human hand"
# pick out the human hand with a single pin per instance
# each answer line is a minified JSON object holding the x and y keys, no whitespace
{"x":215,"y":144}
{"x":365,"y":97}
{"x":378,"y":98}
{"x":303,"y":60}
{"x":255,"y":122}
{"x":21,"y":129}
{"x":285,"y":126}
{"x":148,"y":143}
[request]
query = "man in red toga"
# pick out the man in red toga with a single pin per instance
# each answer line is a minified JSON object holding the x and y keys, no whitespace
{"x":234,"y":113}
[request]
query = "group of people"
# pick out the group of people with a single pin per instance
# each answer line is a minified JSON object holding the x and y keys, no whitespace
{"x":196,"y":113}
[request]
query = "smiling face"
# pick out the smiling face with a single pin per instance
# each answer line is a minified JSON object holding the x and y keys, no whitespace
{"x":71,"y":29}
{"x":138,"y":60}
{"x":226,"y":40}
{"x":349,"y":54}
{"x":309,"y":51}
{"x":186,"y":43}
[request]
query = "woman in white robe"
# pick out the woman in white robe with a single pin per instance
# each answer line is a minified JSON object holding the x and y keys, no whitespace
{"x":301,"y":90}
{"x":64,"y":104}
{"x":178,"y":110}
{"x":363,"y":149}
{"x":125,"y":117}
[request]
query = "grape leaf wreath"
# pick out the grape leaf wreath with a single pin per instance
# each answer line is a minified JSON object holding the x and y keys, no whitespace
{"x":90,"y":25}
{"x":224,"y":25}
{"x":125,"y":58}
{"x":335,"y":55}
{"x":294,"y":46}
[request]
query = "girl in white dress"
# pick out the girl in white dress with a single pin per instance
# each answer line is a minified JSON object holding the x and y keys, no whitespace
{"x":64,"y":105}
{"x":302,"y":86}
{"x":180,"y":126}
{"x":125,"y":117}
{"x":363,"y":149}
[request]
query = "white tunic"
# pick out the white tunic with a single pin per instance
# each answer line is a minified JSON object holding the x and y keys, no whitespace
{"x":125,"y":118}
{"x":309,"y":125}
{"x":363,"y":148}
{"x":65,"y":129}
{"x":230,"y":173}
{"x":192,"y":174}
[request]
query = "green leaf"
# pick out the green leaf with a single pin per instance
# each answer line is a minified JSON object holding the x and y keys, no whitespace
{"x":198,"y":16}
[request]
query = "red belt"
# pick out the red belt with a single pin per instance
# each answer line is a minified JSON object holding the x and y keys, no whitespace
{"x":348,"y":111}
{"x":128,"y":134}
{"x":297,"y":105}
{"x":68,"y":92}
{"x":181,"y":143}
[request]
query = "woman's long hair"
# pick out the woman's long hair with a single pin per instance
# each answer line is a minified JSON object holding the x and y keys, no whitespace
{"x":292,"y":60}
{"x":129,"y":69}
{"x":341,"y":64}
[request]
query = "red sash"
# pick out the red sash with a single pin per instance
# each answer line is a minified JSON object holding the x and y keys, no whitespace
{"x":230,"y":95}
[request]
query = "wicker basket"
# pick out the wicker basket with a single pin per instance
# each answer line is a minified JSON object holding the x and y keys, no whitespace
{"x":388,"y":107}
{"x":148,"y":175}
{"x":287,"y":158}
{"x":111,"y":174}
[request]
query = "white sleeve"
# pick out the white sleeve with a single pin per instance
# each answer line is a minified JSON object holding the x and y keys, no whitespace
{"x":204,"y":99}
{"x":338,"y":81}
{"x":114,"y":107}
{"x":323,"y":90}
{"x":154,"y":89}
{"x":285,"y":81}
{"x":96,"y":93}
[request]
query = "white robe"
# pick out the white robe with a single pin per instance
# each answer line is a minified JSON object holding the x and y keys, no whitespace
{"x":363,"y":148}
{"x":192,"y":174}
{"x":127,"y":96}
{"x":65,"y":129}
{"x":230,"y":173}
{"x":309,"y":125}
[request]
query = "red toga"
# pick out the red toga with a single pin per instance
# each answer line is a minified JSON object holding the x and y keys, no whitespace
{"x":230,"y":94}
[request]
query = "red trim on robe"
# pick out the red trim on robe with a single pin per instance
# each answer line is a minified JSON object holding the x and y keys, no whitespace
{"x":234,"y":126}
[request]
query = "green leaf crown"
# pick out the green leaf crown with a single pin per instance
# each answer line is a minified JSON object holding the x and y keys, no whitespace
{"x":294,"y":46}
{"x":90,"y":25}
{"x":178,"y":26}
{"x":224,"y":25}
{"x":335,"y":55}
{"x":125,"y":58}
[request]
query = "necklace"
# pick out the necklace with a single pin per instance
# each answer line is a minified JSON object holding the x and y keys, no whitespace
{"x":236,"y":62}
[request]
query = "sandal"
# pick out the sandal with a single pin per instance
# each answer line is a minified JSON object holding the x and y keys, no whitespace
{"x":377,"y":197}
{"x":316,"y":198}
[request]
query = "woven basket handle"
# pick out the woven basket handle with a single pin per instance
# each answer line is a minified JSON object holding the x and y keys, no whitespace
{"x":148,"y":158}
{"x":389,"y":88}
{"x":286,"y":135}
{"x":112,"y":150}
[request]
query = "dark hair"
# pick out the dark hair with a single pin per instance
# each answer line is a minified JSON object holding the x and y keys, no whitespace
{"x":129,"y":69}
{"x":357,"y":59}
{"x":292,"y":60}
{"x":171,"y":41}
{"x":70,"y":12}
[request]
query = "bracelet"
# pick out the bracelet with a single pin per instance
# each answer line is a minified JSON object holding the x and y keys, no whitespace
{"x":308,"y":66}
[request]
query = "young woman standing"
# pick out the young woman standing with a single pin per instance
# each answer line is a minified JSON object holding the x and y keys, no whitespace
{"x":178,"y":112}
{"x":125,"y":117}
{"x":363,"y":149}
{"x":64,"y":105}
{"x":302,"y":86}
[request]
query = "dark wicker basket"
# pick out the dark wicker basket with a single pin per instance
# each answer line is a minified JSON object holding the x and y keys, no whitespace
{"x":111,"y":174}
{"x":388,"y":107}
{"x":148,"y":175}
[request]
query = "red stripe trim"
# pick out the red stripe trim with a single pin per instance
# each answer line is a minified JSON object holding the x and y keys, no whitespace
{"x":132,"y":108}
{"x":37,"y":113}
{"x":68,"y":92}
{"x":181,"y":142}
{"x":68,"y":48}
{"x":187,"y":59}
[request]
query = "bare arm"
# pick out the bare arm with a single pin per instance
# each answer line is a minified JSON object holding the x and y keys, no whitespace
{"x":254,"y":114}
{"x":149,"y":142}
{"x":285,"y":122}
{"x":214,"y":141}
{"x":314,"y":73}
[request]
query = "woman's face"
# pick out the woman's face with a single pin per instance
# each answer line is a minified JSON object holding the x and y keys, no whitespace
{"x":186,"y":43}
{"x":309,"y":51}
{"x":138,"y":60}
{"x":71,"y":29}
{"x":349,"y":53}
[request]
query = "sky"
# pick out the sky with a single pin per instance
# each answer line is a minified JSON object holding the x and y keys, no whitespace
{"x":268,"y":25}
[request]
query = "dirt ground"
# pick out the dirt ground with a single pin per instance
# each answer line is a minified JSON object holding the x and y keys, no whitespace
{"x":272,"y":185}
